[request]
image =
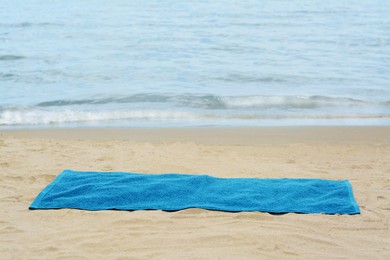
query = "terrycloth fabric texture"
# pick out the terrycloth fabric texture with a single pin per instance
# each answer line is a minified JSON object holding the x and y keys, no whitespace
{"x":133,"y":191}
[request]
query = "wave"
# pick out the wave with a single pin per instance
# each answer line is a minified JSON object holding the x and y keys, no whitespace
{"x":43,"y":117}
{"x":28,"y":24}
{"x":15,"y":117}
{"x":215,"y":102}
{"x":6,"y":76}
{"x":250,"y":79}
{"x":189,"y":107}
{"x":289,"y":102}
{"x":10,"y":57}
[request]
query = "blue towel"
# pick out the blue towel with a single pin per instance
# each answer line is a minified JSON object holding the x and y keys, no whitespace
{"x":134,"y":191}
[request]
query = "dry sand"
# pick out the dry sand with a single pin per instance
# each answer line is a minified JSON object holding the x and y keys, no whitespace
{"x":31,"y":159}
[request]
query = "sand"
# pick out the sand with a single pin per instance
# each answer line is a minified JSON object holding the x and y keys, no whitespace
{"x":31,"y":159}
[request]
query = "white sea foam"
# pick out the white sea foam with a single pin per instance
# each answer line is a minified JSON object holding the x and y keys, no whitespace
{"x":61,"y":116}
{"x":43,"y":117}
{"x":288,"y":102}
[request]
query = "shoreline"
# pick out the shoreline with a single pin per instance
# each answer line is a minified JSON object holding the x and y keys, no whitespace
{"x":220,"y":135}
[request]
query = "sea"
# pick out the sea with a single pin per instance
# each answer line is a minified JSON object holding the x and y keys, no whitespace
{"x":204,"y":63}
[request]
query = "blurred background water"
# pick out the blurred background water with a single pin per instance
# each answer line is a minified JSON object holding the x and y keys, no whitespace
{"x":194,"y":63}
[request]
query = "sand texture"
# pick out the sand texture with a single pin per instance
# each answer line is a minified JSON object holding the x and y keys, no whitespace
{"x":30,"y":160}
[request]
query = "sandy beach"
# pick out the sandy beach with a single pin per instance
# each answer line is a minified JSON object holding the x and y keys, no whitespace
{"x":31,"y":159}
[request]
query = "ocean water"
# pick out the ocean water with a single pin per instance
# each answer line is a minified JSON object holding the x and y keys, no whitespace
{"x":194,"y":63}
